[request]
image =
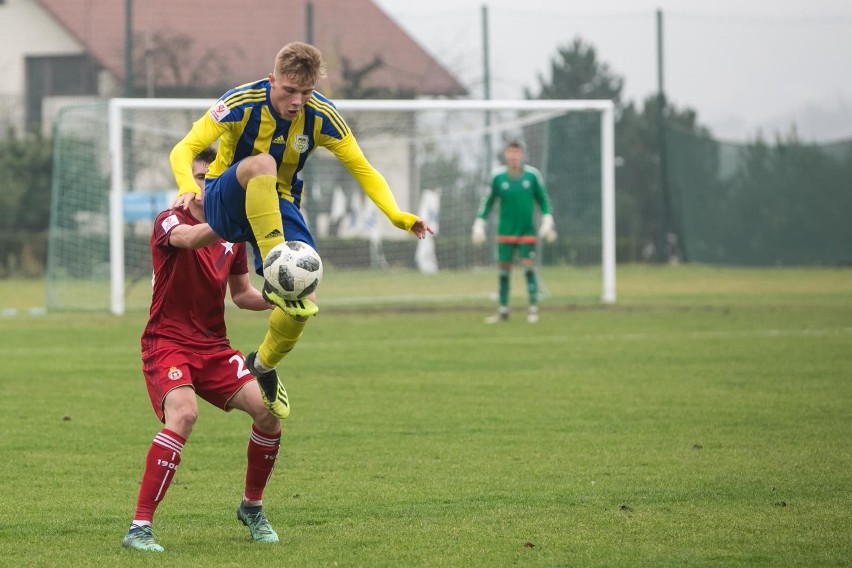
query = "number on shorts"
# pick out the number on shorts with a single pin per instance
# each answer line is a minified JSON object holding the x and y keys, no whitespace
{"x":242,"y":371}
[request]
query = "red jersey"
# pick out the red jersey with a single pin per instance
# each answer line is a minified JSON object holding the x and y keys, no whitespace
{"x":188,"y":301}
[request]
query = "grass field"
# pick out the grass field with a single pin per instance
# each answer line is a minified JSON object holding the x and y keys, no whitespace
{"x":704,"y":420}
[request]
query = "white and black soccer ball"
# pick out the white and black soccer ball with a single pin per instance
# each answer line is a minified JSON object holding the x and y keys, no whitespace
{"x":293,"y":269}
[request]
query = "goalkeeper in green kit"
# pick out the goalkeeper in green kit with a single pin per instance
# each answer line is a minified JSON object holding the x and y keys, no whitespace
{"x":517,"y":187}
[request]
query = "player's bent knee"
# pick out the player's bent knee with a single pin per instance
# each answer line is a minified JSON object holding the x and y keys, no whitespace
{"x":267,"y":422}
{"x":263,"y":419}
{"x":261,"y":164}
{"x":182,"y":420}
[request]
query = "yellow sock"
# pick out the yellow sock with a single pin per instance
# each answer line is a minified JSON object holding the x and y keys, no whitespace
{"x":263,"y":213}
{"x":283,"y":334}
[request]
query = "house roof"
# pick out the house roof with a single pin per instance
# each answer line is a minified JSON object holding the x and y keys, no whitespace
{"x":207,"y":44}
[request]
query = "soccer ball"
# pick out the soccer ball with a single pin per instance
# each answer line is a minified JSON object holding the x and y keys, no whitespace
{"x":293,"y":269}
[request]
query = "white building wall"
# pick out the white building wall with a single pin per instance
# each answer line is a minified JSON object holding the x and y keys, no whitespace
{"x":26,"y":29}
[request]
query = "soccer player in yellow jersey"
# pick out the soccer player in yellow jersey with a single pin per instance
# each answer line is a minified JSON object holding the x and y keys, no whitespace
{"x":266,"y":131}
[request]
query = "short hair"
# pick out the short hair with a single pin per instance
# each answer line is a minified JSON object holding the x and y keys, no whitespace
{"x":301,"y":62}
{"x":514,"y":144}
{"x":207,"y":155}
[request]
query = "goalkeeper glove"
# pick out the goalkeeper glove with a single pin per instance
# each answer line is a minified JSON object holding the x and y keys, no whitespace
{"x":478,"y":233}
{"x":547,"y":229}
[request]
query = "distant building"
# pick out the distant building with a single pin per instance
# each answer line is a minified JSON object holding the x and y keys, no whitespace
{"x":56,"y":52}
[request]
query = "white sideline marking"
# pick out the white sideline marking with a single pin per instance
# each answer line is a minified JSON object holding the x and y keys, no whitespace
{"x":12,"y":312}
{"x":486,"y":337}
{"x":721,"y":334}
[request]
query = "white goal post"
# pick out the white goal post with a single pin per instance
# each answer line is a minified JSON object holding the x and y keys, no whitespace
{"x":119,"y":127}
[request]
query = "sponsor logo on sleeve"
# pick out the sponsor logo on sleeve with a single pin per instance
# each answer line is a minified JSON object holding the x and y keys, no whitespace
{"x":219,"y":111}
{"x":170,"y":223}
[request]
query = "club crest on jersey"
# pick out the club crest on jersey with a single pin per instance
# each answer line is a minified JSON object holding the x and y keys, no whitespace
{"x":174,"y":373}
{"x":300,"y":144}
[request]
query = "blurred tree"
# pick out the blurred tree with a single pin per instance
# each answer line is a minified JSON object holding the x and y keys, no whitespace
{"x":355,"y":78}
{"x":26,"y":164}
{"x":169,"y":65}
{"x":577,"y":73}
{"x":638,"y":175}
{"x":572,"y":153}
{"x":787,"y":203}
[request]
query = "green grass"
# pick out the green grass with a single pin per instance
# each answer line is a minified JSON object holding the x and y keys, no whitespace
{"x":702,"y":421}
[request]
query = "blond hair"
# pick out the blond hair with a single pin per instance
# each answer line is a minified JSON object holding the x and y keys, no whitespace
{"x":300,"y":62}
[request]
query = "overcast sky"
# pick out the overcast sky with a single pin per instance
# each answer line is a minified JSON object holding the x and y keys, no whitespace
{"x":744,"y":65}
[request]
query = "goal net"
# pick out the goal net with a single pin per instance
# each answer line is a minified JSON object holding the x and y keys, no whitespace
{"x":112,"y":177}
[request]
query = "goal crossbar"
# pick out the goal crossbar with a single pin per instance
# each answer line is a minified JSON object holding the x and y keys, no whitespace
{"x":607,"y":127}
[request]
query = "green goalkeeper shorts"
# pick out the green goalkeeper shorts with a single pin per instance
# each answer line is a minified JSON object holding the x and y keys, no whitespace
{"x":506,"y":251}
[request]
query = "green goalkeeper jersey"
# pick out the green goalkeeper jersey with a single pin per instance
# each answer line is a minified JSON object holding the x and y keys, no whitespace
{"x":517,"y":197}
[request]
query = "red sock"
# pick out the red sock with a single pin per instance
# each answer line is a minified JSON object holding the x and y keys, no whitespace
{"x":262,"y":451}
{"x":160,"y":467}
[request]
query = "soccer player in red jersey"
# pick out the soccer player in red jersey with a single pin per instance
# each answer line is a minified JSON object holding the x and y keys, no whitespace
{"x":186,"y":353}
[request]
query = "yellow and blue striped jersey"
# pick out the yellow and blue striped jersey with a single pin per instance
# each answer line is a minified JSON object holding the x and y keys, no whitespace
{"x":245,"y":123}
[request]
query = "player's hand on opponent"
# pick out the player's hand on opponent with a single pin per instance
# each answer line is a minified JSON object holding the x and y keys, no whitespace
{"x":477,"y":235}
{"x":421,"y":228}
{"x":183,"y":200}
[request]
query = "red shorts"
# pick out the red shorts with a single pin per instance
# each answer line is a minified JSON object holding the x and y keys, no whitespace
{"x":216,"y":376}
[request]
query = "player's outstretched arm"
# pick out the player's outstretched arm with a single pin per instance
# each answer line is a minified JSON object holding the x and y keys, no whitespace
{"x":375,"y":186}
{"x":192,"y":236}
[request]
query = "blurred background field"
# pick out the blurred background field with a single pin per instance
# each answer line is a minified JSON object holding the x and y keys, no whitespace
{"x":702,"y":420}
{"x":563,"y":286}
